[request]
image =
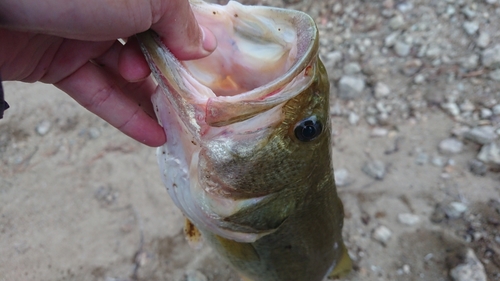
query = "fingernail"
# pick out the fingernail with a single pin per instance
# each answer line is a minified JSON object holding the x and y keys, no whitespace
{"x":209,"y":42}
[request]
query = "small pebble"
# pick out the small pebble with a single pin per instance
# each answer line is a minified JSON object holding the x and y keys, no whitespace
{"x":471,"y":269}
{"x":467,"y":105}
{"x":382,"y":90}
{"x":491,"y":57}
{"x":353,"y":118}
{"x":382,"y":234}
{"x":374,"y":169}
{"x":470,"y":62}
{"x":422,"y":158}
{"x":408,"y":219}
{"x":455,"y":210}
{"x":471,"y":27}
{"x":351,"y":87}
{"x":481,"y":135}
{"x":496,"y":109}
{"x":43,"y":127}
{"x":334,"y":57}
{"x":342,"y":177}
{"x":483,"y":40}
{"x":397,"y":22}
{"x":379,"y":132}
{"x":195,"y":275}
{"x":495,"y":75}
{"x":451,"y":107}
{"x":391,"y":39}
{"x":450,"y":146}
{"x":477,"y":167}
{"x":94,"y":133}
{"x":352,"y":68}
{"x":490,"y":154}
{"x":485,"y":113}
{"x":438,"y":161}
{"x":419,"y":79}
{"x":402,"y":49}
{"x":411,"y":67}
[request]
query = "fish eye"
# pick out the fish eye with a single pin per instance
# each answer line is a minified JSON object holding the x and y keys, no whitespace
{"x":308,"y":129}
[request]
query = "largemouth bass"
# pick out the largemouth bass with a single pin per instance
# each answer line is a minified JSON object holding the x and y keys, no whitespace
{"x":248,"y":152}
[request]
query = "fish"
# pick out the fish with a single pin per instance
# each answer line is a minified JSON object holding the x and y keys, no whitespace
{"x":248,"y":157}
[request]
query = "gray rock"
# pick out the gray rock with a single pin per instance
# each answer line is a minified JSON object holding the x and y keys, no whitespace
{"x":471,"y":27}
{"x":419,"y":79}
{"x":495,"y":75}
{"x":352,"y":68}
{"x":438,"y":161}
{"x":408,"y":219}
{"x":353,"y":118}
{"x":43,"y":127}
{"x":379,"y":132}
{"x":483,"y":40}
{"x":470,"y":62}
{"x":342,"y":177}
{"x":94,"y":132}
{"x":454,"y":210}
{"x":485,"y":113}
{"x":411,"y":67}
{"x":468,"y":12}
{"x":397,"y":22}
{"x":351,"y":87}
{"x":382,"y":90}
{"x":451,"y":107}
{"x":490,"y":154}
{"x":477,"y":167}
{"x":496,"y":109}
{"x":422,"y":158}
{"x":471,"y":269}
{"x":402,"y":49}
{"x":374,"y":169}
{"x":450,"y":146}
{"x":391,"y":39}
{"x":195,"y":275}
{"x":433,"y":52}
{"x":481,"y":135}
{"x":334,"y":57}
{"x":382,"y":234}
{"x":491,"y":57}
{"x":467,"y":105}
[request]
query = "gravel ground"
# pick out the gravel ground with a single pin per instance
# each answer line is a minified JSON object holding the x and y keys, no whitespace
{"x":416,"y":122}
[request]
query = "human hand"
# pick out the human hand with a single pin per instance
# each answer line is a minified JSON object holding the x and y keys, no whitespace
{"x":73,"y":45}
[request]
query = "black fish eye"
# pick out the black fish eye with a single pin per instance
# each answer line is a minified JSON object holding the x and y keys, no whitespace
{"x":308,"y":129}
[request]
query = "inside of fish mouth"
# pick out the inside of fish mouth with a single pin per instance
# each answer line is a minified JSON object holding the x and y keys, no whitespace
{"x":246,"y":58}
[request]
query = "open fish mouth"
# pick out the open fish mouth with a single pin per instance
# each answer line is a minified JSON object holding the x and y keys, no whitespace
{"x":257,"y":65}
{"x":227,"y":105}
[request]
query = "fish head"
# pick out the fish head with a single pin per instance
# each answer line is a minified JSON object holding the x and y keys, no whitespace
{"x":247,"y":126}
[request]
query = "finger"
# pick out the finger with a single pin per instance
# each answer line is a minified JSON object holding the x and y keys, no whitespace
{"x":92,"y":87}
{"x":139,"y":91}
{"x":180,"y":31}
{"x":100,"y":20}
{"x":132,"y":65}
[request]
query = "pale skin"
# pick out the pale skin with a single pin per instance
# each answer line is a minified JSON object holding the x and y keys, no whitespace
{"x":73,"y":45}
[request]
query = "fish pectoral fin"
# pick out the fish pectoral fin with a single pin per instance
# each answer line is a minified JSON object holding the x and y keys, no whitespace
{"x":238,"y":250}
{"x":193,"y":235}
{"x":343,"y":267}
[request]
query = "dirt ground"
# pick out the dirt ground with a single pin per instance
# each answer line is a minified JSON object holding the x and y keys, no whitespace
{"x":80,"y":201}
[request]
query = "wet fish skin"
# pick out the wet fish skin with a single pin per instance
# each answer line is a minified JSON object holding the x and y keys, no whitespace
{"x":308,"y":215}
{"x":262,"y":195}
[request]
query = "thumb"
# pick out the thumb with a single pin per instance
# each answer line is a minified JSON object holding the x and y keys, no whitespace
{"x":180,"y":31}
